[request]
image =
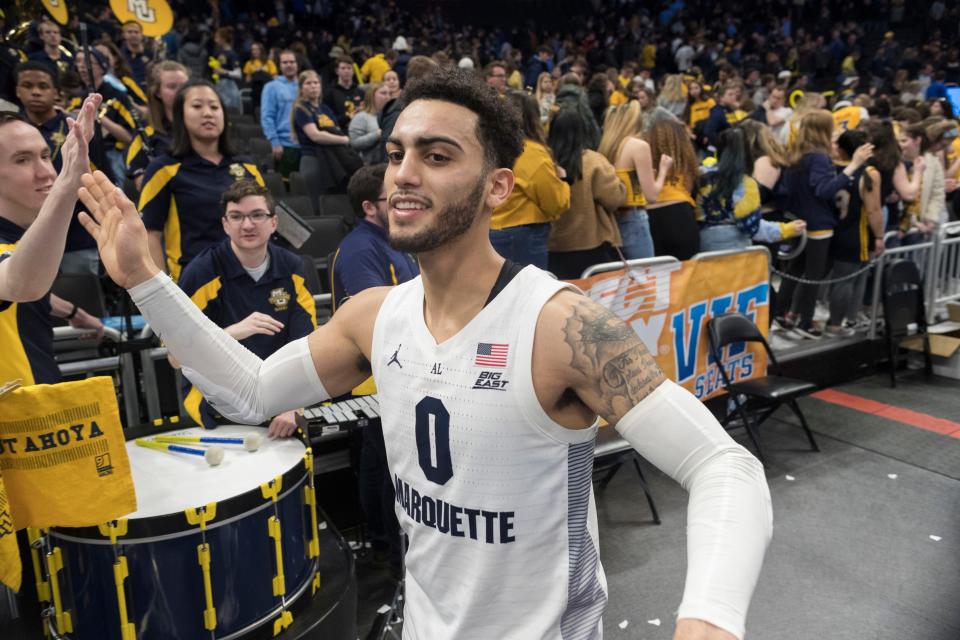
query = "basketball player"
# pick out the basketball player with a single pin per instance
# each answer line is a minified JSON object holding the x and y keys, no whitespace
{"x":490,"y":380}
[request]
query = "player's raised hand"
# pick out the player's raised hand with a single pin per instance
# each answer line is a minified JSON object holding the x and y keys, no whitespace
{"x":115,"y":224}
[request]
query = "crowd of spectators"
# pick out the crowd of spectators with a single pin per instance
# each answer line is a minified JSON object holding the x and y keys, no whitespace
{"x":661,"y":128}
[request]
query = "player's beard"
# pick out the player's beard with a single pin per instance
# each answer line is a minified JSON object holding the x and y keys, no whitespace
{"x":449,"y":224}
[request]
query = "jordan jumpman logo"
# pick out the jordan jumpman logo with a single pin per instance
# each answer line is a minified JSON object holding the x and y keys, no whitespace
{"x":394,"y":358}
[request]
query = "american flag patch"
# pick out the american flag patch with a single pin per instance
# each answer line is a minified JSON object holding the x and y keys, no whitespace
{"x":491,"y":355}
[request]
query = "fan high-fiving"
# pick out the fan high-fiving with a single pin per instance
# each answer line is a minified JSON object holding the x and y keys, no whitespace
{"x":115,"y":224}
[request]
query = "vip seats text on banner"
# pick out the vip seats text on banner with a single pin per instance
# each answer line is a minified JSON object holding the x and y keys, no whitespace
{"x":669,"y":305}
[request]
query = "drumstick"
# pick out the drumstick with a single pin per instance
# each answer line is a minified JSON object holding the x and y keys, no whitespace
{"x":213,"y":455}
{"x":250,"y":442}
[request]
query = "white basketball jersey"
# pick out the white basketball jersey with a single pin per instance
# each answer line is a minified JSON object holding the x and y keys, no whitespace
{"x":496,"y":498}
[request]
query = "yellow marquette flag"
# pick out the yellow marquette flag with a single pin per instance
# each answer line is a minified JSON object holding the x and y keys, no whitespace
{"x":9,"y":558}
{"x":63,"y":456}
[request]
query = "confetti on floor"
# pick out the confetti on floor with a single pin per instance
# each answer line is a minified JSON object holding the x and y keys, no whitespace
{"x":623,"y":625}
{"x":383,"y":608}
{"x":790,"y":478}
{"x":936,"y":538}
{"x":892,"y":476}
{"x":655,"y":622}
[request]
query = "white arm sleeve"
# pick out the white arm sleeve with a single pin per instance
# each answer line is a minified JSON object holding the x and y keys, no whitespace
{"x":233,"y":380}
{"x":729,"y":519}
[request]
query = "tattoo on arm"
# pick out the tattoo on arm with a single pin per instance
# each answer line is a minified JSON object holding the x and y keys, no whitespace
{"x":611,"y":356}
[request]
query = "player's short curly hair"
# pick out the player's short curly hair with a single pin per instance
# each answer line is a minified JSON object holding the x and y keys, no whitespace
{"x":499,"y":129}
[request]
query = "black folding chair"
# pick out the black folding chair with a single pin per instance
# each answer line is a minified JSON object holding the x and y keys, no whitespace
{"x":311,"y":278}
{"x":298,"y":184}
{"x":262,"y":152}
{"x":903,"y":309}
{"x":609,"y":455}
{"x":326,"y":237}
{"x":764,"y":395}
{"x":300,"y":204}
{"x":336,"y":204}
{"x":274,"y":182}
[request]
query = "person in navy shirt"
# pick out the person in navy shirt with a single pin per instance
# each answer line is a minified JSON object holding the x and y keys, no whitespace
{"x":135,"y":51}
{"x":326,"y":159}
{"x":365,"y":258}
{"x":38,"y":89}
{"x":181,"y":190}
{"x":252,"y":288}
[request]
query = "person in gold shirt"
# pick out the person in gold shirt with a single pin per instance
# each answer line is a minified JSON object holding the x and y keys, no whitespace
{"x":630,"y":155}
{"x":672,"y":215}
{"x":258,"y":71}
{"x":699,"y":104}
{"x":520,"y":227}
{"x":374,"y":67}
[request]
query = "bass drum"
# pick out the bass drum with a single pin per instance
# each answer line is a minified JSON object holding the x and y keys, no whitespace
{"x":211,"y":552}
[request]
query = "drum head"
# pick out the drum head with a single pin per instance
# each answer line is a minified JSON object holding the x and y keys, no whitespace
{"x":168,"y":483}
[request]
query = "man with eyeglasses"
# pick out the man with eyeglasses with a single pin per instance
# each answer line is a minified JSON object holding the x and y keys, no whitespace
{"x":251,"y":287}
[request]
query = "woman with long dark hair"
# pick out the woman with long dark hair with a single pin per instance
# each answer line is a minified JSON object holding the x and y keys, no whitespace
{"x":180,"y":200}
{"x":588,"y":233}
{"x":857,"y":237}
{"x":520,"y":227}
{"x":729,"y":204}
{"x":896,"y":183}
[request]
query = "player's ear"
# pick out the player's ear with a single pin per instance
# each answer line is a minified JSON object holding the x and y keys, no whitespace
{"x":500,"y":183}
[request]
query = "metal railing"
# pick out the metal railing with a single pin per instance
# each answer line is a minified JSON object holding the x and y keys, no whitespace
{"x":923,"y":254}
{"x":938,"y":259}
{"x":945,"y":280}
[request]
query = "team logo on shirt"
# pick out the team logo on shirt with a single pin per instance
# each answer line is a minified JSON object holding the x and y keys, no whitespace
{"x":395,"y":358}
{"x":279,"y":298}
{"x":491,"y":380}
{"x":324,"y":121}
{"x":236,"y":170}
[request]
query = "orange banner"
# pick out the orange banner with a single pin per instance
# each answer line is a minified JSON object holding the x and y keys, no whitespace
{"x":669,"y":305}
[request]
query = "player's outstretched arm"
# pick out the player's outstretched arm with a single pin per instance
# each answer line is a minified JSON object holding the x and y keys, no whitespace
{"x":234,"y":380}
{"x":729,"y":521}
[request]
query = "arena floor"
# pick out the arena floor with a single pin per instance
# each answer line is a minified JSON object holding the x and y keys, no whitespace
{"x":853,"y":555}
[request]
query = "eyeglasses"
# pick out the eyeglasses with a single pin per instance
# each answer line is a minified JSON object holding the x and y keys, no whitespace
{"x":256,"y":217}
